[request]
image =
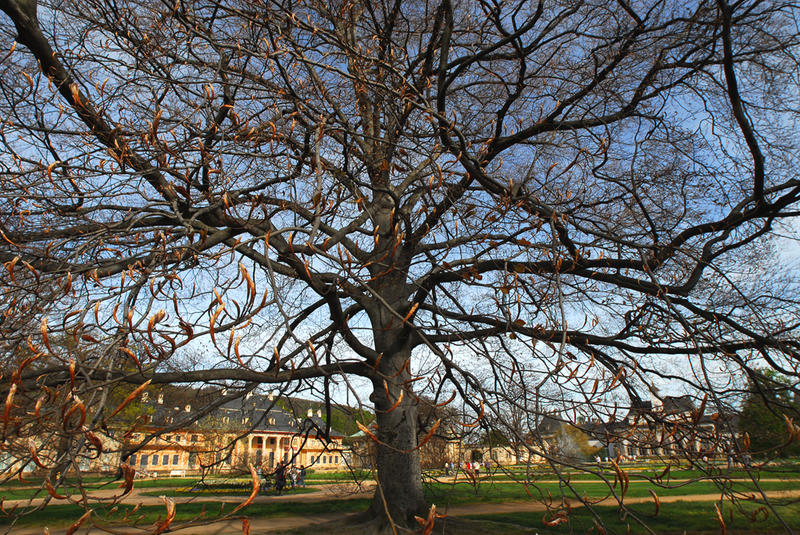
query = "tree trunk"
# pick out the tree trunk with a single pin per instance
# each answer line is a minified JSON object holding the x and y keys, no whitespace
{"x":399,"y":496}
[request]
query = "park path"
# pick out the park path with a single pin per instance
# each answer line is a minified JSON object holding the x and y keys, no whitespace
{"x":266,"y":525}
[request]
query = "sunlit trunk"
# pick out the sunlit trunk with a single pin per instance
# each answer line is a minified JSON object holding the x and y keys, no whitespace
{"x":399,"y":496}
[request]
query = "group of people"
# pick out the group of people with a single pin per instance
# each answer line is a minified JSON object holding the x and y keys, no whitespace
{"x":467,"y":466}
{"x":286,"y":475}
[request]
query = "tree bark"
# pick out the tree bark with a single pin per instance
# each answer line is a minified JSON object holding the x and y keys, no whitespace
{"x":399,"y":495}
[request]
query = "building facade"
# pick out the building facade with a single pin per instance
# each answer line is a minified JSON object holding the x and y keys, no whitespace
{"x":249,"y":430}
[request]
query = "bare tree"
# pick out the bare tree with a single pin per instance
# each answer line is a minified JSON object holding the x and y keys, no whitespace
{"x":421,"y":194}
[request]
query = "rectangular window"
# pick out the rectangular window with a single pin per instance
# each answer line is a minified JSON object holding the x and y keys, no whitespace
{"x":132,"y":460}
{"x":144,"y":460}
{"x":167,"y":437}
{"x":194,"y":438}
{"x":336,"y":459}
{"x":175,"y":460}
{"x":155,"y":460}
{"x":165,"y":460}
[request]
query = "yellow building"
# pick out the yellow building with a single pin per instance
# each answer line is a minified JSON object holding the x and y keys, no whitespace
{"x":248,"y":430}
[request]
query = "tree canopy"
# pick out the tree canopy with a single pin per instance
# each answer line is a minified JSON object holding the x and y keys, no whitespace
{"x":769,"y":406}
{"x":509,"y":204}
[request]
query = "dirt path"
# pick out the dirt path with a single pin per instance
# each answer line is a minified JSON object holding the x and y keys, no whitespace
{"x":266,"y":525}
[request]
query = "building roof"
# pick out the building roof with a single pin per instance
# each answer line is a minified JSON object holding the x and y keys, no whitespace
{"x":249,"y":412}
{"x":676,"y":404}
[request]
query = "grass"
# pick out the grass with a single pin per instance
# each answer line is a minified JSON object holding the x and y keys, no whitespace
{"x":226,"y":491}
{"x":90,"y":480}
{"x":678,"y":517}
{"x":486,"y":492}
{"x":694,"y":517}
{"x":357,"y":475}
{"x":18,"y":492}
{"x":63,"y":515}
{"x":790,"y":471}
{"x":461,"y":492}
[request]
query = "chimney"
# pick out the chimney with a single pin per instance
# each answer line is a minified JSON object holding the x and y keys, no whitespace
{"x":655,"y":399}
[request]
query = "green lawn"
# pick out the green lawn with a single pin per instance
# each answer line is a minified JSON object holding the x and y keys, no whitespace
{"x":541,"y":478}
{"x":694,"y":517}
{"x":486,"y":492}
{"x":63,"y":515}
{"x":673,"y":518}
{"x":357,"y":475}
{"x":226,"y":491}
{"x":17,"y":492}
{"x":520,"y":473}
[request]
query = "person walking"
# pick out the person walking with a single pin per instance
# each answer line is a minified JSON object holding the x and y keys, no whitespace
{"x":301,"y":476}
{"x":280,"y":478}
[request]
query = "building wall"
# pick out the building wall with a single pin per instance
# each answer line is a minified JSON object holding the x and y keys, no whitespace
{"x":192,"y":451}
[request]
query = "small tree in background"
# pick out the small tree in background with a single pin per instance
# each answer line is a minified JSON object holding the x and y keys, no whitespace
{"x":769,"y":408}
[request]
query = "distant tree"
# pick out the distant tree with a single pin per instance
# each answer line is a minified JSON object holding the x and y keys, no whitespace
{"x":573,"y":444}
{"x":342,"y":419}
{"x":493,"y":437}
{"x":772,"y":403}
